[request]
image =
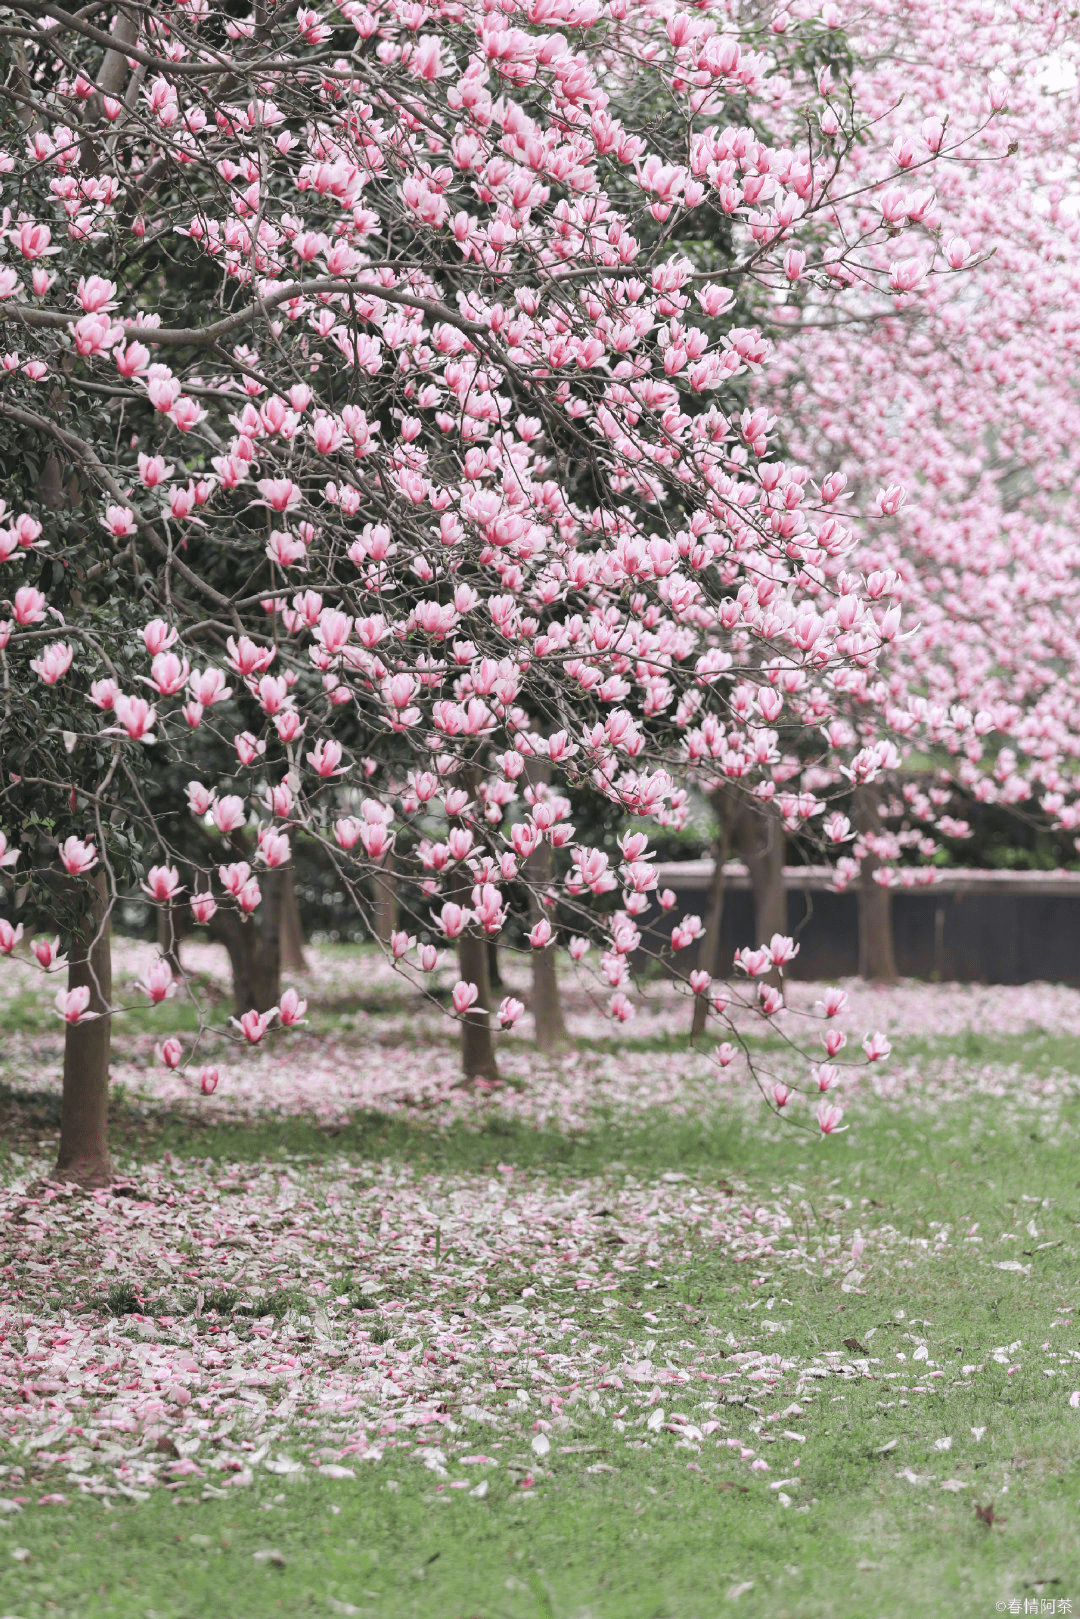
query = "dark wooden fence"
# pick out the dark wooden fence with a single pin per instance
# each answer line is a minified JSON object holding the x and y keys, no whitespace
{"x":988,"y":927}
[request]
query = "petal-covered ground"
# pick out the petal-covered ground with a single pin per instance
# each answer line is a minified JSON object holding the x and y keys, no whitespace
{"x":376,"y":1044}
{"x":202,"y":1320}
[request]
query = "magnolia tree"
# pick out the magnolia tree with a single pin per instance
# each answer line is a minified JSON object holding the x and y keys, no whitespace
{"x":956,"y":396}
{"x":375,"y":419}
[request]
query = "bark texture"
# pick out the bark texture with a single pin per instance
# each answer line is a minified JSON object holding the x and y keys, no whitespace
{"x":83,"y":1155}
{"x":254,"y":948}
{"x":759,"y":838}
{"x":552,"y":1036}
{"x":293,"y":959}
{"x":477,"y":1046}
{"x":877,"y":958}
{"x":386,"y":906}
{"x":709,"y":952}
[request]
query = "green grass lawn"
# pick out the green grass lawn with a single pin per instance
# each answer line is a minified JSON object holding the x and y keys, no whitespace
{"x":643,"y":1526}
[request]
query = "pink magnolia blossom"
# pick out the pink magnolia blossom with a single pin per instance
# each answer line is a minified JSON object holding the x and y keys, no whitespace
{"x":255,"y":1024}
{"x":464,"y":996}
{"x":228,"y":813}
{"x":248,"y":747}
{"x":234,"y":876}
{"x":120,"y":521}
{"x":829,"y":1117}
{"x":782,"y":950}
{"x":246,"y":658}
{"x":453,"y":919}
{"x":291,"y":1008}
{"x":169,"y":673}
{"x":200,"y":798}
{"x":47,"y":953}
{"x":136,"y":717}
{"x":208,"y":686}
{"x":753,"y":962}
{"x":325,"y":759}
{"x":77,"y":857}
{"x":29,"y":605}
{"x":54,"y":663}
{"x":103,"y":693}
{"x":274,"y":847}
{"x":158,"y":636}
{"x":157,"y":982}
{"x":162,"y":884}
{"x":510,"y":1010}
{"x":73,"y":1004}
{"x":203,"y":907}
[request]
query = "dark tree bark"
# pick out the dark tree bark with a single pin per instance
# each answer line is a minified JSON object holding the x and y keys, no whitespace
{"x":268,"y":958}
{"x":759,"y":837}
{"x":877,"y":959}
{"x":709,"y":952}
{"x":386,"y":907}
{"x":254,"y":948}
{"x":477,"y":1046}
{"x":83,"y":1156}
{"x":293,"y":959}
{"x":552,"y":1037}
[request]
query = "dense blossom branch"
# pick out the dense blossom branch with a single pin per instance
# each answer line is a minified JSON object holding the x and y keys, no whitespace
{"x":487,"y":487}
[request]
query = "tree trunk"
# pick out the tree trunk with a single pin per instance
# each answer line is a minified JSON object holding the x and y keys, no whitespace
{"x":709,"y":951}
{"x":759,"y":837}
{"x":268,"y":954}
{"x":386,"y":909}
{"x":477,"y":1046}
{"x":495,"y":977}
{"x":877,"y":960}
{"x":237,"y":934}
{"x":254,"y":952}
{"x":293,"y":959}
{"x":552,"y":1037}
{"x":83,"y":1156}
